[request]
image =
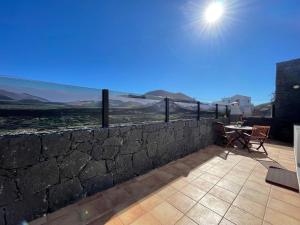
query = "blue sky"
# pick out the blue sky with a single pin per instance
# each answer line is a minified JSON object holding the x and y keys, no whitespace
{"x":137,"y":46}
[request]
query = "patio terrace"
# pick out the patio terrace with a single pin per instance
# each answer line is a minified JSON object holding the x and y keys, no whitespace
{"x":212,"y":186}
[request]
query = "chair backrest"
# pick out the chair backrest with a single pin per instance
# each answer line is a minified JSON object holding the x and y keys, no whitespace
{"x":260,"y":131}
{"x":220,"y":129}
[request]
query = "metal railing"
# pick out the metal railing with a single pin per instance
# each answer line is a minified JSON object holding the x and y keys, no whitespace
{"x":106,"y":108}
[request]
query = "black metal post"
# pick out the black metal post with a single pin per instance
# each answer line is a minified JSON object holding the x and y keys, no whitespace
{"x":217,"y":111}
{"x":273,"y":110}
{"x":226,"y":111}
{"x":167,"y":110}
{"x":198,"y":110}
{"x":105,"y":108}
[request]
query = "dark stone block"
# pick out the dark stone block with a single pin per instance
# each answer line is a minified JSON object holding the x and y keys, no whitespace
{"x":141,"y":162}
{"x":93,"y":168}
{"x":73,"y":164}
{"x":56,"y":144}
{"x":2,"y":220}
{"x":97,"y":152}
{"x":152,"y":149}
{"x":124,"y":164}
{"x":19,"y":151}
{"x":97,"y":183}
{"x":39,"y":177}
{"x":100,"y":135}
{"x":85,"y":147}
{"x":130,"y":147}
{"x":31,"y":207}
{"x":82,"y":136}
{"x":64,"y":194}
{"x":8,"y":192}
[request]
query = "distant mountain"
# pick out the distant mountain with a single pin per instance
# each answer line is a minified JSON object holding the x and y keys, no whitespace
{"x":8,"y":95}
{"x":174,"y":96}
{"x":161,"y":105}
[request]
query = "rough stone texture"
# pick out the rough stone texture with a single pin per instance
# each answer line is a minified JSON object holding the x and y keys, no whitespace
{"x":19,"y":151}
{"x":141,"y":162}
{"x":40,"y":173}
{"x":65,"y":193}
{"x":73,"y":164}
{"x":56,"y":144}
{"x":39,"y":177}
{"x":287,"y":99}
{"x":97,"y":183}
{"x":93,"y":168}
{"x":7,"y":191}
{"x":32,"y":206}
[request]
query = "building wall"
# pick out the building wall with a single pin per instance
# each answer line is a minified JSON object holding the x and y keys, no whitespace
{"x":41,"y":173}
{"x":287,"y":99}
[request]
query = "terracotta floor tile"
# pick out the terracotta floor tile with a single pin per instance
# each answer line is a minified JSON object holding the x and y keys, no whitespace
{"x":166,"y":213}
{"x":108,"y":219}
{"x":185,"y":221}
{"x":229,"y":185}
{"x":166,"y":191}
{"x":146,"y":219}
{"x":190,"y":177}
{"x":235,"y":179}
{"x":203,"y":184}
{"x":193,"y":192}
{"x":150,"y":202}
{"x":225,"y":222}
{"x":285,"y":208}
{"x":210,"y":178}
{"x":264,"y":189}
{"x":72,"y":218}
{"x":117,"y":196}
{"x":203,"y":216}
{"x":249,"y":206}
{"x":181,"y":202}
{"x":62,"y":212}
{"x":90,"y":211}
{"x":179,"y":183}
{"x":284,"y":196}
{"x":276,"y":218}
{"x":254,"y":196}
{"x":217,"y":205}
{"x":136,"y":189}
{"x":219,"y":172}
{"x":223,"y":194}
{"x":240,"y":217}
{"x":131,"y":213}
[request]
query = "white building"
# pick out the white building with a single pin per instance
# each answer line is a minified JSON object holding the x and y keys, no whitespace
{"x":239,"y":104}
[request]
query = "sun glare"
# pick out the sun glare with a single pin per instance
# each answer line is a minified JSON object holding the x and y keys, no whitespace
{"x":214,"y":12}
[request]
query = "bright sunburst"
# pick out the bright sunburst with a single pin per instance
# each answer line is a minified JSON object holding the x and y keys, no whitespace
{"x":214,"y":12}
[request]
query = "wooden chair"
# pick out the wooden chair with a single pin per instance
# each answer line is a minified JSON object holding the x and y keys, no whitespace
{"x":227,"y":137}
{"x":258,"y":136}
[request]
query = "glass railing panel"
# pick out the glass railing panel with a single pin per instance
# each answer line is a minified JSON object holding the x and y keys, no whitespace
{"x":129,"y":108}
{"x":34,"y":105}
{"x":182,"y":110}
{"x":207,"y":110}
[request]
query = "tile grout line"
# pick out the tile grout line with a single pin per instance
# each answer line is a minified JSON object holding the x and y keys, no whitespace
{"x":231,"y":204}
{"x":212,"y":188}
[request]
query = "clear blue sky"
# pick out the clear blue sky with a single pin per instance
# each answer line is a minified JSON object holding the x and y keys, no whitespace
{"x":138,"y":45}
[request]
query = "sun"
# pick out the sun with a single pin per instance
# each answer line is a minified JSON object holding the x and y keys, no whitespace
{"x":214,"y":12}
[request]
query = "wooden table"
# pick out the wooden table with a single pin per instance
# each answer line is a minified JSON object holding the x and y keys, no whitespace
{"x":239,"y":131}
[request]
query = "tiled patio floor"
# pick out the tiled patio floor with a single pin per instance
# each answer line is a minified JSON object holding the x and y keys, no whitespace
{"x":203,"y":188}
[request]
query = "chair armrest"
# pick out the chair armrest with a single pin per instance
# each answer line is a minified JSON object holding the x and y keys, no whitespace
{"x":246,"y":134}
{"x":230,"y":132}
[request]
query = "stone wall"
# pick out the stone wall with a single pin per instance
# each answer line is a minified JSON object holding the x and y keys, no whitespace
{"x":40,"y":173}
{"x":287,"y":98}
